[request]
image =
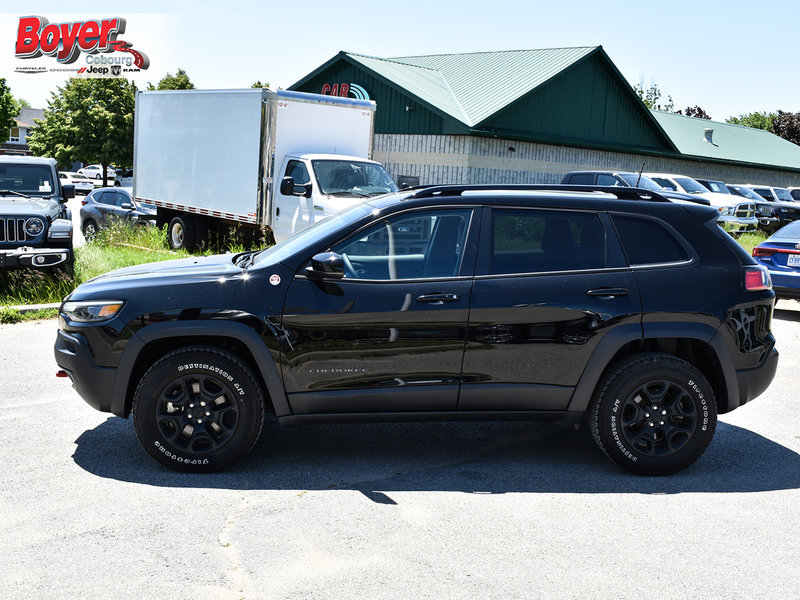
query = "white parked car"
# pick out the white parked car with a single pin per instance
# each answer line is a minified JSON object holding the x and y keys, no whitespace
{"x":124,"y":178}
{"x":96,"y":172}
{"x":736,"y":215}
{"x":773,"y":194}
{"x":83,"y":185}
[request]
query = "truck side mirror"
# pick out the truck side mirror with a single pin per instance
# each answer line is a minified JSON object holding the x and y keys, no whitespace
{"x":68,"y":189}
{"x":326,"y":265}
{"x":288,"y":188}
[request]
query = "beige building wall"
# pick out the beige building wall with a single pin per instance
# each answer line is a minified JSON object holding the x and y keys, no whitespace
{"x":454,"y":159}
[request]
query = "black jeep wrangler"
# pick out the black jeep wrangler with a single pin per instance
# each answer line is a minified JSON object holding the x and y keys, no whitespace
{"x":35,"y":223}
{"x":561,"y":303}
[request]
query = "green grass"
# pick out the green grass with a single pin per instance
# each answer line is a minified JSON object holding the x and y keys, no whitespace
{"x":116,"y":246}
{"x":748,"y":241}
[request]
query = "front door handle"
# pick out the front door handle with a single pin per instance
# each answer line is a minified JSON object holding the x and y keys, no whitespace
{"x":437,"y":298}
{"x":607,"y":292}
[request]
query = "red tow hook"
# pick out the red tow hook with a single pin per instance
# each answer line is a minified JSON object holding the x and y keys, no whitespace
{"x":62,"y":373}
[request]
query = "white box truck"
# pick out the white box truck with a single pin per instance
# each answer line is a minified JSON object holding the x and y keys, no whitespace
{"x":277,"y":161}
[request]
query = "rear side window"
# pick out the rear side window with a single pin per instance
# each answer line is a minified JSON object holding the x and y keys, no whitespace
{"x":580,"y":179}
{"x":531,"y":241}
{"x":648,"y":242}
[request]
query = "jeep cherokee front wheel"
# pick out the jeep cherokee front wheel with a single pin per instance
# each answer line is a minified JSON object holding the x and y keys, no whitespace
{"x":653,"y":414}
{"x":198,"y":409}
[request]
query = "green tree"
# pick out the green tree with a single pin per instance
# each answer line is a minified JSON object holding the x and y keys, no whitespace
{"x":652,"y":95}
{"x":694,"y":111}
{"x":787,"y":126}
{"x":179,"y":81}
{"x":89,"y":120}
{"x":9,"y":109}
{"x":23,"y":103}
{"x":757,"y":120}
{"x":258,"y":84}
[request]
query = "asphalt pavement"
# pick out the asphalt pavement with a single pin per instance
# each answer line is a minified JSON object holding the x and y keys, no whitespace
{"x":464,"y":510}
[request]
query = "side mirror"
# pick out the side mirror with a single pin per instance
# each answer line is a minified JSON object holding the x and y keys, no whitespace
{"x":68,"y":190}
{"x":289,"y":188}
{"x":126,"y":206}
{"x":326,"y":265}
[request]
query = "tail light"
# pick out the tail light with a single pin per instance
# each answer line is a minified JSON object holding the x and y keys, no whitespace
{"x":759,"y":251}
{"x":84,"y":202}
{"x":757,"y":279}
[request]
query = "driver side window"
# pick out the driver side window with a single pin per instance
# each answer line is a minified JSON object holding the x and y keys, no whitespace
{"x":298,"y":171}
{"x":419,"y":245}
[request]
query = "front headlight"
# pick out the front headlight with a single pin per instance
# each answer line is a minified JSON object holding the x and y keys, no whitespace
{"x":727,"y":210}
{"x":34,"y":226}
{"x":92,"y":311}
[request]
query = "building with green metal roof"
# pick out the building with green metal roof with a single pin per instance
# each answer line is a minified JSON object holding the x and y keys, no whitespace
{"x":528,"y":116}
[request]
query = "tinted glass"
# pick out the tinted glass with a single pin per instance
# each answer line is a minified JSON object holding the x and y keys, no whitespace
{"x":648,"y":242}
{"x":666,"y":184}
{"x":783,"y":194}
{"x":641,"y":181}
{"x":608,"y":180}
{"x":529,"y":241}
{"x":422,"y":244}
{"x":298,"y":171}
{"x":580,"y":179}
{"x":690,"y":185}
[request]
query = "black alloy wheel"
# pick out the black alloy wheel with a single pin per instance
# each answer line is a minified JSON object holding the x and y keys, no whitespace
{"x":198,"y":409}
{"x":654,"y":414}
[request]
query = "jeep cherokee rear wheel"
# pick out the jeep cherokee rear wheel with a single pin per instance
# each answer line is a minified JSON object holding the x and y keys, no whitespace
{"x":654,"y":414}
{"x":198,"y":409}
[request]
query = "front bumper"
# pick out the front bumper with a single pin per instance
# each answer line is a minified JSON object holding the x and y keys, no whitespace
{"x":27,"y":257}
{"x":93,"y":382}
{"x":738,"y":224}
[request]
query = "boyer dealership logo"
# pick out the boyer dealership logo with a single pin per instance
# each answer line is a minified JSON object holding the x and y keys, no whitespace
{"x":93,"y":44}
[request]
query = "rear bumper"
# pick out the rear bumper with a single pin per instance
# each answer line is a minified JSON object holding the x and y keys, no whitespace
{"x":33,"y":258}
{"x":753,"y":382}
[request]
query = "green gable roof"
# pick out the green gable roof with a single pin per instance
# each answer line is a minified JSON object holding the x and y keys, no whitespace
{"x":731,"y":143}
{"x":484,"y":83}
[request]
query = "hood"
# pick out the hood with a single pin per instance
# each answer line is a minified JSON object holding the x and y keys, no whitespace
{"x":718,"y":199}
{"x":176,"y":274}
{"x":17,"y":206}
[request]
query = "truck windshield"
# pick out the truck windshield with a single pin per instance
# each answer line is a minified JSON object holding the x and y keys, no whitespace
{"x":27,"y":179}
{"x":343,"y":177}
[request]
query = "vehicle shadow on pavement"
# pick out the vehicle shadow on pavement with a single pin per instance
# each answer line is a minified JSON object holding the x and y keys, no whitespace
{"x":493,"y":458}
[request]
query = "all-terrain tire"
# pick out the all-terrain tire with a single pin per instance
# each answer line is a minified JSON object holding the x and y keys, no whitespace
{"x":653,"y":414}
{"x":198,"y":409}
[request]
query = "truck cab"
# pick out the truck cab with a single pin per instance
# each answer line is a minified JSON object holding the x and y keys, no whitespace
{"x":313,"y":187}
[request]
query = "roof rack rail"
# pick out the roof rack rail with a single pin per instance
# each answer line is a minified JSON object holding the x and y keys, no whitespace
{"x":623,"y":193}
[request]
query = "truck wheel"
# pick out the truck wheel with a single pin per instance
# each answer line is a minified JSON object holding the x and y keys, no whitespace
{"x":653,"y":414}
{"x":198,"y":409}
{"x":181,"y":233}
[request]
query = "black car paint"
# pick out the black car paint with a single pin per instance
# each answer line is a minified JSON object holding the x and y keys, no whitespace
{"x":533,"y":345}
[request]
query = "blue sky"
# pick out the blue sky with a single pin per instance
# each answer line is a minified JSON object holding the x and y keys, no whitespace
{"x":729,"y":57}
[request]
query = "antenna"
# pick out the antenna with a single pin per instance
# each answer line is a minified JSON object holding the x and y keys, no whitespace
{"x":640,"y":174}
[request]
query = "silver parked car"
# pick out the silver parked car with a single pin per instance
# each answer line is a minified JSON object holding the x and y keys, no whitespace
{"x":105,"y":204}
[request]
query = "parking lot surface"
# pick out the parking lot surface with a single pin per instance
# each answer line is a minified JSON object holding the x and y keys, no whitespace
{"x":454,"y":510}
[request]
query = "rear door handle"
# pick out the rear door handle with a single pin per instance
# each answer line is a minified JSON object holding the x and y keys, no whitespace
{"x":437,"y":298}
{"x":607,"y":292}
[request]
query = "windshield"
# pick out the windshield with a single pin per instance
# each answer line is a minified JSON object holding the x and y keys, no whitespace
{"x":644,"y":182}
{"x":718,"y":186}
{"x":352,"y":178}
{"x":27,"y":179}
{"x":310,"y":235}
{"x":691,"y":186}
{"x":783,"y":194}
{"x":745,"y":192}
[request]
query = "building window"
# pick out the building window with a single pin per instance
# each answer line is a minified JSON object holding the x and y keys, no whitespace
{"x":14,"y":135}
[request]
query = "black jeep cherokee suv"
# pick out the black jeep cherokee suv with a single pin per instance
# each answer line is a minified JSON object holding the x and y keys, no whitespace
{"x":561,"y":303}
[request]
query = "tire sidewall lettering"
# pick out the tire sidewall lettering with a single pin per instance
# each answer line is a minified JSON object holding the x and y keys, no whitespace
{"x":178,"y":458}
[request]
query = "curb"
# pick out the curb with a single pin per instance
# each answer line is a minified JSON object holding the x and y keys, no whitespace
{"x":34,"y":307}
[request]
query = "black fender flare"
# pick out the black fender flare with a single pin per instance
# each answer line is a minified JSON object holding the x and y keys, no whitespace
{"x":267,"y":368}
{"x":616,"y":339}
